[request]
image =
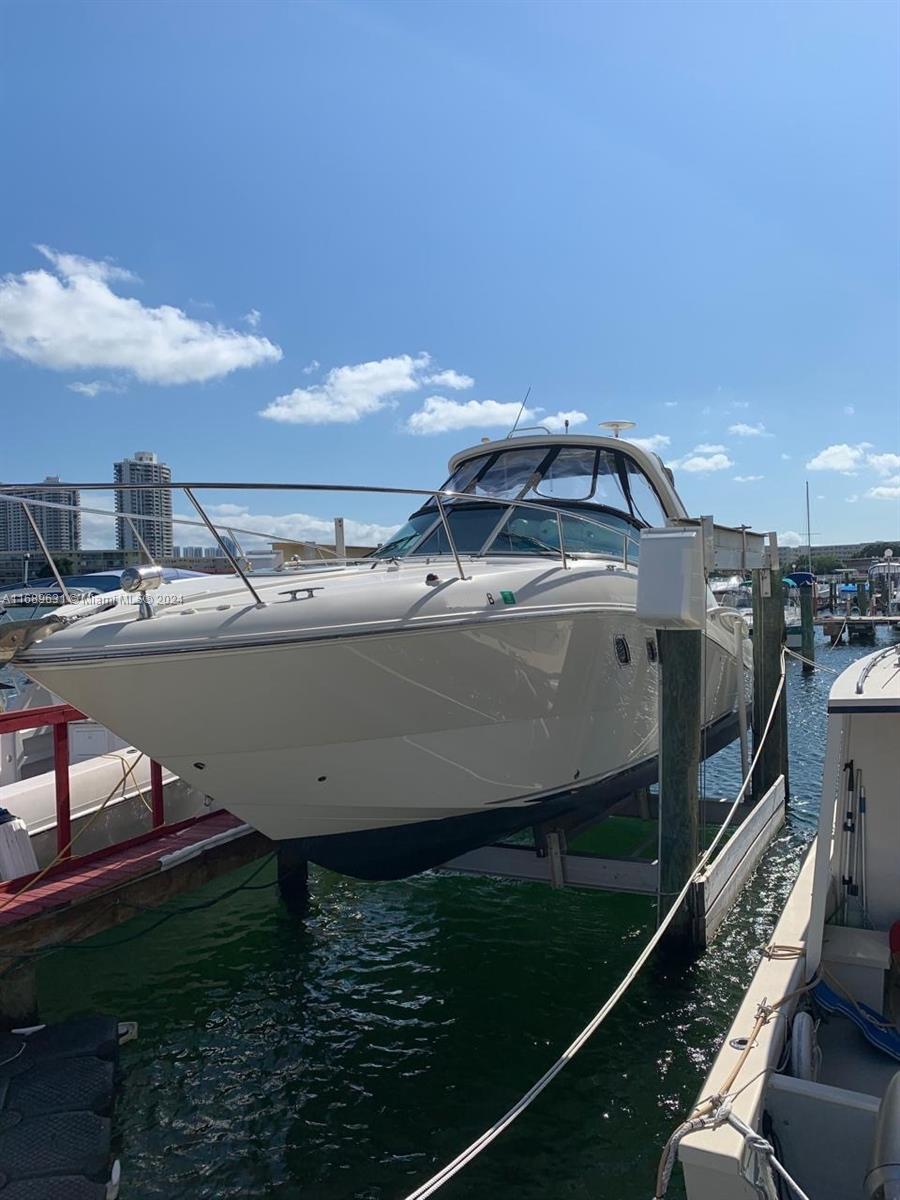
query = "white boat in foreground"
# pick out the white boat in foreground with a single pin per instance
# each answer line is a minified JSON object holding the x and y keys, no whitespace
{"x":483,"y":671}
{"x":810,"y":1070}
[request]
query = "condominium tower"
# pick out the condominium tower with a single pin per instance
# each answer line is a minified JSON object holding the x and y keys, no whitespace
{"x":59,"y":527}
{"x":149,"y":508}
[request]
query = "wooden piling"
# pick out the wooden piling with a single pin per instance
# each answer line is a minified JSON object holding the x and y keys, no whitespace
{"x":293,"y":876}
{"x":768,"y":640}
{"x":18,"y":995}
{"x":862,"y":599}
{"x":808,"y":629}
{"x":680,"y":720}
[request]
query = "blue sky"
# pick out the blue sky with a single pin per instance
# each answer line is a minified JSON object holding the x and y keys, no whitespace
{"x":336,"y":241}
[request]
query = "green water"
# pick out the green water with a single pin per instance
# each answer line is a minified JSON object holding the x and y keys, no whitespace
{"x":351,"y":1053}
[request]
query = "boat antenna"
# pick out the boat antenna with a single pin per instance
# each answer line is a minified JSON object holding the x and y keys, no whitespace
{"x":809,"y":534}
{"x":521,"y":410}
{"x":617,"y":426}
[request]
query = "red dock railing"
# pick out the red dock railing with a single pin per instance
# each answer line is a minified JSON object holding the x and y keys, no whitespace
{"x":59,"y":717}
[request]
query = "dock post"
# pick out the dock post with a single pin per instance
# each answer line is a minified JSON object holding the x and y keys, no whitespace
{"x":862,"y":599}
{"x":680,"y":721}
{"x":808,"y":629}
{"x":832,"y":597}
{"x":768,"y":639}
{"x":340,"y":547}
{"x":741,"y":697}
{"x":18,"y":996}
{"x":293,"y":876}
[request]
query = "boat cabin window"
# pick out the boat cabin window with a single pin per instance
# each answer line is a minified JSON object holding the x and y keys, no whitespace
{"x":570,"y":475}
{"x":503,"y":476}
{"x":602,"y":495}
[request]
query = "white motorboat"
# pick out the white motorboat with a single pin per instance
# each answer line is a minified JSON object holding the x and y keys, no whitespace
{"x":482,"y":671}
{"x":807,"y":1081}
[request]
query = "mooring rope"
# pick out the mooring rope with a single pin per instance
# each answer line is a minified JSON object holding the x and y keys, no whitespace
{"x":472,"y":1151}
{"x":810,"y":662}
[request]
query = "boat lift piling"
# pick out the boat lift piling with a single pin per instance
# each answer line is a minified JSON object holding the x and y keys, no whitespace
{"x":808,"y":628}
{"x":768,"y":640}
{"x":680,"y":712}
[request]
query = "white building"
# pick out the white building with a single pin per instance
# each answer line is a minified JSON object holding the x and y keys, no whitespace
{"x":60,"y":528}
{"x":145,"y":468}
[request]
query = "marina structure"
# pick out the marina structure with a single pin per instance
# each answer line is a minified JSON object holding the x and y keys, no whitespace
{"x":535,"y":524}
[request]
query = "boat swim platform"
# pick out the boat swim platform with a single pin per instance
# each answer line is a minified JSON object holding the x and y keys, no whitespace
{"x":82,"y":897}
{"x":617,"y":853}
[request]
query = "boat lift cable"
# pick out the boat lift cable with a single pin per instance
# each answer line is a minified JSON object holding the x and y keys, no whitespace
{"x":481,"y":1143}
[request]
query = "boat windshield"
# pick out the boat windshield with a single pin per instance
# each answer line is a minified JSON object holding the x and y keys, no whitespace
{"x":597,"y":499}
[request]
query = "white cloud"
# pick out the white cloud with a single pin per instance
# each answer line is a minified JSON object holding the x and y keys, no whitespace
{"x":849,"y":410}
{"x":94,"y":388}
{"x":439,"y":415}
{"x":884,"y":464}
{"x":702,"y":463}
{"x":297,"y":525}
{"x":786,"y":458}
{"x":351,"y":392}
{"x":252,"y":318}
{"x":852,"y":499}
{"x":670,"y":404}
{"x":708,"y":448}
{"x":71,"y":319}
{"x":747,"y":478}
{"x":312,"y":367}
{"x":655,"y":444}
{"x":741,"y":429}
{"x":839,"y":457}
{"x":790,"y":538}
{"x":69,"y":266}
{"x":450,"y":379}
{"x":884,"y":492}
{"x":740,"y":404}
{"x":556,"y":422}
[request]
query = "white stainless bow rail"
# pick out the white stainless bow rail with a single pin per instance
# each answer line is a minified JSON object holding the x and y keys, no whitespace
{"x":9,"y":494}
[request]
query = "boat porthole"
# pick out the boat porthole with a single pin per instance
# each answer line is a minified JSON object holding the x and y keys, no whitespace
{"x":322,"y":778}
{"x":652,"y":653}
{"x":200,"y":766}
{"x":623,"y":653}
{"x":576,"y":775}
{"x":740,"y":1043}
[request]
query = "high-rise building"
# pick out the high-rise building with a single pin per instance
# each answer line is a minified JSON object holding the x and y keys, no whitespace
{"x":60,"y":527}
{"x":147,"y":502}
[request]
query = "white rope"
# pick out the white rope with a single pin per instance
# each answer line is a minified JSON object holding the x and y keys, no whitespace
{"x":811,"y":662}
{"x":481,"y":1143}
{"x":755,"y":1141}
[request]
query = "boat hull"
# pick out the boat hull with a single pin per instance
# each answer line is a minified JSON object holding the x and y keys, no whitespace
{"x":486,"y":724}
